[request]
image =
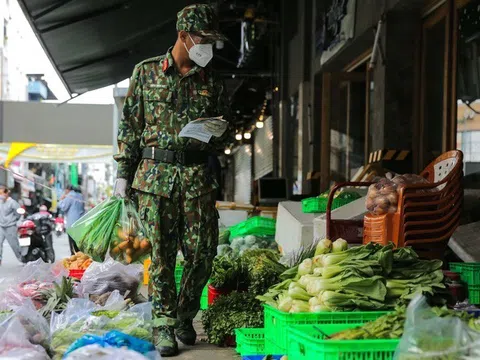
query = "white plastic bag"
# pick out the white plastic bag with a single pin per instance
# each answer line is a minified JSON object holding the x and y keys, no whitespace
{"x":100,"y":353}
{"x":82,"y":316}
{"x":30,"y":281}
{"x":429,"y":337}
{"x":111,"y":275}
{"x":14,"y":343}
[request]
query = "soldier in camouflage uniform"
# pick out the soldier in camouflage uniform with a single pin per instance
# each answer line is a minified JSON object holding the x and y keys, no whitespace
{"x":174,"y":188}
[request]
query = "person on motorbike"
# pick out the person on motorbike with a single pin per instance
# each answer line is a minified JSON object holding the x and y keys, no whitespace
{"x":8,"y":222}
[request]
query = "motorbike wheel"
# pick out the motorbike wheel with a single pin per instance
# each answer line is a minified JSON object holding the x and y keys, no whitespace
{"x":59,"y":233}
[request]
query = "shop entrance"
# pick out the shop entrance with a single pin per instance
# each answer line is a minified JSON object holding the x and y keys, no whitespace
{"x":343,"y":125}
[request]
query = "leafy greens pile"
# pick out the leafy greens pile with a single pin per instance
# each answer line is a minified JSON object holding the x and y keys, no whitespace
{"x":368,"y":277}
{"x":229,"y":312}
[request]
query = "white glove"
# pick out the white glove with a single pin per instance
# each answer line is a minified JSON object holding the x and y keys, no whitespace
{"x":120,"y":188}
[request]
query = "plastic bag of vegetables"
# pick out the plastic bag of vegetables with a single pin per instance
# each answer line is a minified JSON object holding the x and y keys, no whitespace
{"x":427,"y":336}
{"x":34,"y":324}
{"x":101,"y":278}
{"x":114,"y":224}
{"x":83,"y":317}
{"x":15,"y":344}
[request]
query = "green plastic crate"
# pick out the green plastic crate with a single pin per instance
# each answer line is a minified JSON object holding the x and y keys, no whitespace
{"x":254,"y":226}
{"x":306,"y":342}
{"x":474,"y":294}
{"x":319,"y":205}
{"x":277,"y":324}
{"x":250,"y":341}
{"x":469,"y":272}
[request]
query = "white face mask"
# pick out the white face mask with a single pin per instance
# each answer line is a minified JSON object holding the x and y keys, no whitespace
{"x":200,"y":54}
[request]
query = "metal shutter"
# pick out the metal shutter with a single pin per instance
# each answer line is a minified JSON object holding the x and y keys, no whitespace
{"x":264,"y":149}
{"x":243,"y":174}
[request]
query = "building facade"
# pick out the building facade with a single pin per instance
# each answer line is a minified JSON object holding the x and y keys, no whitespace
{"x":394,"y":82}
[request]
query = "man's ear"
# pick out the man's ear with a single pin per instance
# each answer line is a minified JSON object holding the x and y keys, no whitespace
{"x":182,"y":35}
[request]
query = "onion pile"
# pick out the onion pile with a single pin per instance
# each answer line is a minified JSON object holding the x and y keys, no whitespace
{"x":382,"y":197}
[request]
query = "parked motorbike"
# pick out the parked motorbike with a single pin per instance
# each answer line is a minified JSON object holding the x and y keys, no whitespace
{"x":35,"y":237}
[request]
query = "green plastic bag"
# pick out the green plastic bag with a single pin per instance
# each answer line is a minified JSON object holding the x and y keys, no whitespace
{"x":112,"y":227}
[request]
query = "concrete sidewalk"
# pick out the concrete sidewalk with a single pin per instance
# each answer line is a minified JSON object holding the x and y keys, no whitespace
{"x":204,"y":351}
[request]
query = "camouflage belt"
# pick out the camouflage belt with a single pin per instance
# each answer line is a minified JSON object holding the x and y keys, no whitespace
{"x":176,"y":157}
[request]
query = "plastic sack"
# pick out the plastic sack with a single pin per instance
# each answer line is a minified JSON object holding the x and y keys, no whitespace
{"x":129,"y":242}
{"x":93,"y":231}
{"x":34,"y":324}
{"x":429,"y":337}
{"x":98,"y":352}
{"x":102,"y":278}
{"x":34,"y":277}
{"x":14,"y":343}
{"x":382,"y":197}
{"x":83,"y":317}
{"x":115,"y":339}
{"x":115,"y":225}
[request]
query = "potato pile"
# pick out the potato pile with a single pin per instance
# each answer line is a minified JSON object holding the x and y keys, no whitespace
{"x":79,"y":261}
{"x":129,"y":244}
{"x":382,"y":197}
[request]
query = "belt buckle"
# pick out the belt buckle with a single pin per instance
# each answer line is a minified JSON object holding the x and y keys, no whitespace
{"x":153,"y":153}
{"x":181,"y":157}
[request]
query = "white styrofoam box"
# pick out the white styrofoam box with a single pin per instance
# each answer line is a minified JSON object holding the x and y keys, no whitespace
{"x":229,"y":218}
{"x":352,"y":210}
{"x":294,"y":229}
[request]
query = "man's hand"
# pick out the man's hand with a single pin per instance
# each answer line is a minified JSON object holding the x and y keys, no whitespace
{"x":120,"y":189}
{"x":63,"y":197}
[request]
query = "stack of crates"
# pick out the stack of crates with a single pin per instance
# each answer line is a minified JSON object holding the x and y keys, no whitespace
{"x":178,"y":280}
{"x":279,"y":325}
{"x":470,"y":274}
{"x":260,"y":226}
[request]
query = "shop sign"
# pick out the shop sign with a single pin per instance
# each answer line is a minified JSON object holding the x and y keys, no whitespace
{"x":339,"y":27}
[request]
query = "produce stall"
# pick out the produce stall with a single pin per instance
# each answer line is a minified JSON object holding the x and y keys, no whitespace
{"x":327,"y":300}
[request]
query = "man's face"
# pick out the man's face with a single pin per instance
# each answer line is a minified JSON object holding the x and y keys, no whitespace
{"x":197,"y":39}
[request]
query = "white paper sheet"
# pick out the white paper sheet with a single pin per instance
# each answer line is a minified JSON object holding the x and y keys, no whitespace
{"x":203,"y":129}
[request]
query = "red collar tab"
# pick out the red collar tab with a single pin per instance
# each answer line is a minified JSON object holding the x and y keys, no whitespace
{"x":165,"y":65}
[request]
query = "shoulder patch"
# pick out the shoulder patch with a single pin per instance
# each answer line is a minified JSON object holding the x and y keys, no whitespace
{"x":152,"y":59}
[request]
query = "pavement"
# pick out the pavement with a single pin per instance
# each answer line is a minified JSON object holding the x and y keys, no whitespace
{"x":201,"y":351}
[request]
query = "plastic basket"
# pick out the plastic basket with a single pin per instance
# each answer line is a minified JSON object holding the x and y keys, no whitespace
{"x":306,"y":342}
{"x":319,"y":205}
{"x":250,"y":341}
{"x":469,"y":272}
{"x":277,"y":324}
{"x":254,"y":226}
{"x":77,"y":274}
{"x":474,"y":294}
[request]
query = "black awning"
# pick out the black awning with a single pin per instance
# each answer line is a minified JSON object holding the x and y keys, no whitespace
{"x":95,"y":43}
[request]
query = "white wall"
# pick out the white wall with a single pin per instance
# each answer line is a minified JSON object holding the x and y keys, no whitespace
{"x":45,"y":123}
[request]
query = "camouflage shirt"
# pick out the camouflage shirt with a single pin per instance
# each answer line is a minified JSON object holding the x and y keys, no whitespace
{"x":159,"y":103}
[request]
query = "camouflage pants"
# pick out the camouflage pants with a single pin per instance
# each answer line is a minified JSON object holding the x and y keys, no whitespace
{"x":192,"y":225}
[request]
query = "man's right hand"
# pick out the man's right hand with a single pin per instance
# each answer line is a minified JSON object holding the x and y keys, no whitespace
{"x":120,"y":189}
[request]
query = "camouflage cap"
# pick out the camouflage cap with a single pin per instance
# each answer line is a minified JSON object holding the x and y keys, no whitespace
{"x":199,"y":18}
